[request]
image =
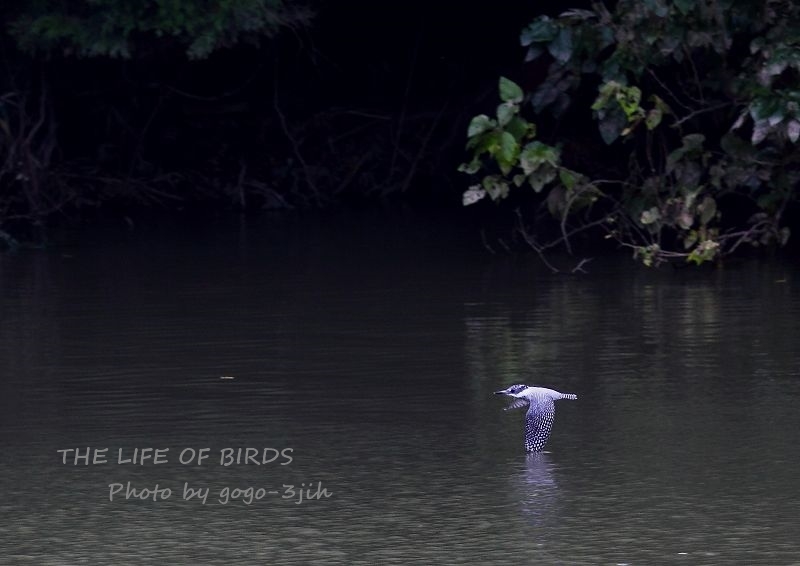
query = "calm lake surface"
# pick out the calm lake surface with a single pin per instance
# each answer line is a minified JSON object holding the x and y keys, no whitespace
{"x":370,"y":345}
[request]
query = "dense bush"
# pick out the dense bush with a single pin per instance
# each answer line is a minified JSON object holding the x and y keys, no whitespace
{"x":701,"y":98}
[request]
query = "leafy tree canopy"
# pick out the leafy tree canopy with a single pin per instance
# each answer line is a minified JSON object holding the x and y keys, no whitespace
{"x":117,"y":28}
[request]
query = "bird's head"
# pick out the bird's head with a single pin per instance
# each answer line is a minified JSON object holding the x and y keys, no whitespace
{"x":513,"y":391}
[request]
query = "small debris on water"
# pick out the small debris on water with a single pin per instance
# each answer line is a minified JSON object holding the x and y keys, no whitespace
{"x":226,"y":377}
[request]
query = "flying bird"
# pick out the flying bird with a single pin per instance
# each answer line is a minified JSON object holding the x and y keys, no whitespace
{"x":541,"y":410}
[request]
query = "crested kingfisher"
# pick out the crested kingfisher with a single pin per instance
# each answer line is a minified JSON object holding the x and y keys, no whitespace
{"x":541,"y":410}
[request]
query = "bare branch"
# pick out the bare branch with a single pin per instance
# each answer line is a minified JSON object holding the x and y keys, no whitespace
{"x":532,"y":243}
{"x":701,"y":111}
{"x":295,"y":145}
{"x":423,"y":146}
{"x":579,"y":268}
{"x":486,"y":244}
{"x":668,"y":90}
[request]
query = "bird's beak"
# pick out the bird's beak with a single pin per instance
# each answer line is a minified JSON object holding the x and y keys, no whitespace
{"x":503,"y":392}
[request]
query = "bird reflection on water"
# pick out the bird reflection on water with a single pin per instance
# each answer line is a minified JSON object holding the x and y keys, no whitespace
{"x":537,"y":488}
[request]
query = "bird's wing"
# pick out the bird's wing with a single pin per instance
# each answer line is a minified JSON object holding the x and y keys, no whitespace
{"x":538,"y":424}
{"x":517,"y":404}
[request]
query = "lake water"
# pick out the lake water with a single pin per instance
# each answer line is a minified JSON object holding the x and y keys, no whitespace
{"x":370,"y":346}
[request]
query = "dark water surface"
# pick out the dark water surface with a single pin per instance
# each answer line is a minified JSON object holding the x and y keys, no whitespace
{"x":371,"y":348}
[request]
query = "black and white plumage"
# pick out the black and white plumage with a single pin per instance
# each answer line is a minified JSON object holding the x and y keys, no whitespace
{"x":541,"y":410}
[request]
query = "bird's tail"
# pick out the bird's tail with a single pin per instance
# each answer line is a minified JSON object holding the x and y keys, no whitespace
{"x":569,"y":396}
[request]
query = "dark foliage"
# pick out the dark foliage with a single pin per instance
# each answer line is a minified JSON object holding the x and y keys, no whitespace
{"x":701,"y":101}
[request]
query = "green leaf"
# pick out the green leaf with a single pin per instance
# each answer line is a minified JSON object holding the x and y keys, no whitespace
{"x":495,"y":187}
{"x":776,"y":118}
{"x":705,"y":251}
{"x":505,"y":112}
{"x":607,"y":90}
{"x":578,"y":14}
{"x":760,"y":130}
{"x":690,"y":239}
{"x":520,"y":128}
{"x":763,"y":108}
{"x":629,"y":98}
{"x":612,"y":124}
{"x":509,"y":148}
{"x":685,"y":220}
{"x":707,"y":209}
{"x":567,"y":178}
{"x":793,"y":130}
{"x":693,"y":142}
{"x":480,"y":124}
{"x":540,"y":31}
{"x":606,"y":37}
{"x":470,"y":168}
{"x":473,"y":195}
{"x":783,"y":235}
{"x":653,"y":119}
{"x":650,"y":216}
{"x":695,"y":39}
{"x":684,"y":6}
{"x":556,"y":200}
{"x":561,"y":47}
{"x":660,"y":104}
{"x":661,"y":10}
{"x":673,"y":158}
{"x":544,"y":95}
{"x":688,"y":172}
{"x":533,"y":53}
{"x":506,"y":152}
{"x":510,"y":91}
{"x":740,"y":120}
{"x":541,"y":177}
{"x":536,"y":154}
{"x":735,"y":146}
{"x":490,"y":142}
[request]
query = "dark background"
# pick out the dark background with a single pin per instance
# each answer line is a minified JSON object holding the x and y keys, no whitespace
{"x":371,"y":100}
